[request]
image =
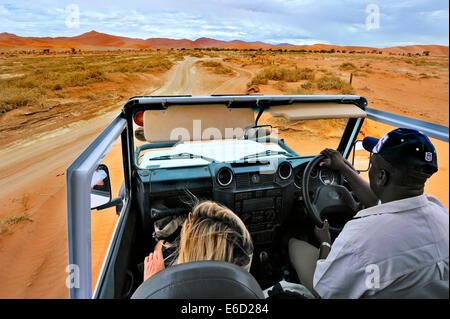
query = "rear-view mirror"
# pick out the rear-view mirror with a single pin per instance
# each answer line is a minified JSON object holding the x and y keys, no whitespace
{"x":139,"y":134}
{"x":257,"y":131}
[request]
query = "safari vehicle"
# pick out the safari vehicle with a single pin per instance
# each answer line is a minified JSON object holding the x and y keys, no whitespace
{"x":240,"y":151}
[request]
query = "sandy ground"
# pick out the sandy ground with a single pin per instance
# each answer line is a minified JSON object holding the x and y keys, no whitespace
{"x":33,"y":254}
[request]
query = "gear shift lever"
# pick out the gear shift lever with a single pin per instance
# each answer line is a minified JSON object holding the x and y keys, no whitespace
{"x":265,"y":264}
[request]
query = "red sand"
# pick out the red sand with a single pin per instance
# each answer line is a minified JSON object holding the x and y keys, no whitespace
{"x":95,"y":40}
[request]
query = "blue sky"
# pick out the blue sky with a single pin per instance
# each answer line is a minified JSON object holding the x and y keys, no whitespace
{"x":342,"y":22}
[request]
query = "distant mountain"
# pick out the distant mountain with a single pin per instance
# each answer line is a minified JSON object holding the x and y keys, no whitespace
{"x":94,"y":40}
{"x":284,"y":45}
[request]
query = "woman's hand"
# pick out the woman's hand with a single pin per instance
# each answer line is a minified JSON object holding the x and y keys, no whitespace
{"x":154,"y":262}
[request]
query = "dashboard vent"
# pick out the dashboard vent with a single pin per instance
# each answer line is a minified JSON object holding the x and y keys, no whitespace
{"x":267,"y":178}
{"x":224,"y":176}
{"x":285,"y":170}
{"x":242,"y":180}
{"x":248,"y":179}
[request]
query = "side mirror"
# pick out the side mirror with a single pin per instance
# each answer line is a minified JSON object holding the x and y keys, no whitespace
{"x":360,"y":157}
{"x":100,"y":187}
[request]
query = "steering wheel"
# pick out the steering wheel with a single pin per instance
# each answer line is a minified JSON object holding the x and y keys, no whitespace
{"x":329,"y":200}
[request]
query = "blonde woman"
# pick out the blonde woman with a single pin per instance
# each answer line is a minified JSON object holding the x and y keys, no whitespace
{"x":211,"y":232}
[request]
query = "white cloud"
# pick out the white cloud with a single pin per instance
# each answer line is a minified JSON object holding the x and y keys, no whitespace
{"x":437,"y":14}
{"x":3,"y":10}
{"x":273,"y":21}
{"x":297,"y":41}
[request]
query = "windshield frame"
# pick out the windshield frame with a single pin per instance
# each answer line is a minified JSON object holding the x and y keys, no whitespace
{"x":259,"y":104}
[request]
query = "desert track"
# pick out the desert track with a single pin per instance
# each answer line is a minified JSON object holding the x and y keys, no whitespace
{"x":187,"y":78}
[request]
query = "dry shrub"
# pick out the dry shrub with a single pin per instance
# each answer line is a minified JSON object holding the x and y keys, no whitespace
{"x":12,"y":220}
{"x":253,"y":89}
{"x":330,"y":82}
{"x":282,"y":74}
{"x":13,"y":97}
{"x":43,"y":77}
{"x":217,"y":67}
{"x":211,"y":54}
{"x":195,"y":54}
{"x":307,"y":86}
{"x":211,"y":64}
{"x":222,"y":70}
{"x":347,"y":66}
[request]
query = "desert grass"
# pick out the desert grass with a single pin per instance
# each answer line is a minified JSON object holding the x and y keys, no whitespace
{"x":217,"y":67}
{"x":6,"y":222}
{"x":347,"y":66}
{"x":329,"y":81}
{"x":333,"y":82}
{"x":211,"y":64}
{"x":282,"y":74}
{"x":43,"y":78}
{"x":428,"y":62}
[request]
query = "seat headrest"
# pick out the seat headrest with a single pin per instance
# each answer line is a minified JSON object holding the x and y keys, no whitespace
{"x":200,"y":280}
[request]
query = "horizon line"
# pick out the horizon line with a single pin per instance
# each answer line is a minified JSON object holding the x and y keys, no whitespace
{"x":250,"y":42}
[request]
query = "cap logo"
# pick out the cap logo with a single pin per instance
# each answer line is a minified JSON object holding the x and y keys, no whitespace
{"x":428,"y":156}
{"x":380,"y":143}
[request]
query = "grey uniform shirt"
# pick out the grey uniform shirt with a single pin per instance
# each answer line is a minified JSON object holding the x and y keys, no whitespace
{"x":387,"y":250}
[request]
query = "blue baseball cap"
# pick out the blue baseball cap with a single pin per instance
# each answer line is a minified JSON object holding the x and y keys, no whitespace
{"x":405,"y":149}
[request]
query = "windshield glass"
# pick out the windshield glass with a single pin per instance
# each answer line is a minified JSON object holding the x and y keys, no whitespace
{"x":286,"y":139}
{"x":307,"y":137}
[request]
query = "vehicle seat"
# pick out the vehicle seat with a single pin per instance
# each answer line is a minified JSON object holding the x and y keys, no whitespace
{"x":200,"y":280}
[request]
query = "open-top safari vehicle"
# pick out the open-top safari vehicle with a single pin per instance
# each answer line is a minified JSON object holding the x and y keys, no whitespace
{"x":257,"y":155}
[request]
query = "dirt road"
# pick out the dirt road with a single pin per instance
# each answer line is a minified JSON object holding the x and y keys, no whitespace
{"x":188,"y":78}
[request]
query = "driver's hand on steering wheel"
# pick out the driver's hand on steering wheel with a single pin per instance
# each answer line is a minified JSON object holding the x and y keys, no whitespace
{"x":334,"y":160}
{"x":154,"y":262}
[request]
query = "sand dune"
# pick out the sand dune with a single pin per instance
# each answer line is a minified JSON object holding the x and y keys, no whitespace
{"x":97,"y":40}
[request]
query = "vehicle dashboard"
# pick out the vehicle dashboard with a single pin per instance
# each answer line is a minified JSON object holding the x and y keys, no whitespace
{"x":262,"y":193}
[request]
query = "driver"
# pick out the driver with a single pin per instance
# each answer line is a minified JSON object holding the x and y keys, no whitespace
{"x":395,"y":246}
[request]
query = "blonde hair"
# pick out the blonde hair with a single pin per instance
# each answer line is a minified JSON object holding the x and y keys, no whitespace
{"x":214,"y":232}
